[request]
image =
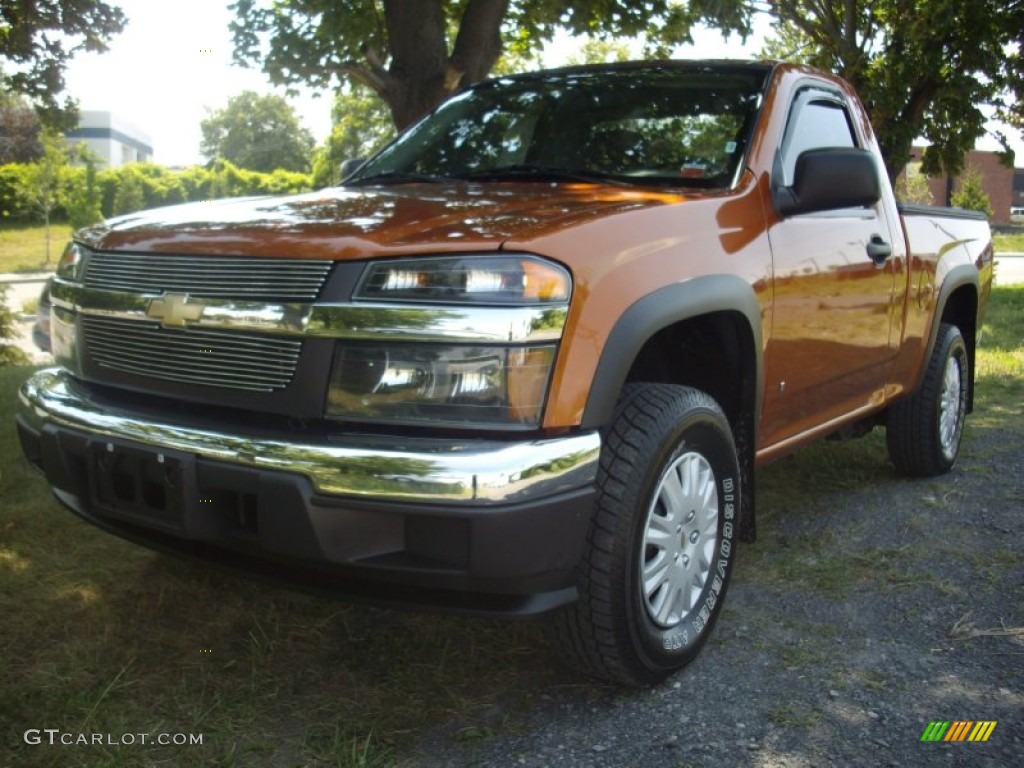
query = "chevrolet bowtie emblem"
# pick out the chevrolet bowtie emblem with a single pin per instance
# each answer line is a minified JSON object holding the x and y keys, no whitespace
{"x":174,"y":310}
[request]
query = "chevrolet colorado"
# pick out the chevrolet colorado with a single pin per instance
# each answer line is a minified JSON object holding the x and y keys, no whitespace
{"x":525,"y":359}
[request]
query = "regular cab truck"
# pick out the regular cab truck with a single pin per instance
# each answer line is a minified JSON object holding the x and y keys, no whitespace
{"x":526,"y":359}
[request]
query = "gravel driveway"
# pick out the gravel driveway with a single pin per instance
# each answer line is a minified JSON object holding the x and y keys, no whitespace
{"x":870,"y":606}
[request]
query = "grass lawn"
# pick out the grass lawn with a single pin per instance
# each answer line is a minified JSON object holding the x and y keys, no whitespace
{"x":104,"y":637}
{"x":23,"y":249}
{"x":1009,"y":243}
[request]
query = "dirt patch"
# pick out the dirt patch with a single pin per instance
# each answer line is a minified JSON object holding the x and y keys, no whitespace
{"x":871,"y":606}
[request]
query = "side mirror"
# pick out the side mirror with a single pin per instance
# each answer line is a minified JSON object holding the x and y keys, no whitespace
{"x":350,"y":166}
{"x":829,"y":179}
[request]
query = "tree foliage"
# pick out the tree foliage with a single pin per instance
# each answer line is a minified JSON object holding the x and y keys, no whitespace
{"x":912,"y":186}
{"x":257,"y":132}
{"x":130,"y":195}
{"x":924,"y":68}
{"x":160,"y":186}
{"x":970,"y":193}
{"x":84,"y":197}
{"x":43,"y":185}
{"x":360,"y":126}
{"x":9,"y":353}
{"x":416,"y":53}
{"x":19,"y":131}
{"x":39,"y":38}
{"x":596,"y":51}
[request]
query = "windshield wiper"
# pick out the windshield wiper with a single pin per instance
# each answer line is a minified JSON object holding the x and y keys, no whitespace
{"x":541,"y":173}
{"x":395,"y":177}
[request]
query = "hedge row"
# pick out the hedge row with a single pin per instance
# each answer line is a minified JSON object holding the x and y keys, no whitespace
{"x":137,"y":186}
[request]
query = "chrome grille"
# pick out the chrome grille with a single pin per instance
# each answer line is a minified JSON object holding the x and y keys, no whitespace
{"x":241,"y":361}
{"x":210,"y":276}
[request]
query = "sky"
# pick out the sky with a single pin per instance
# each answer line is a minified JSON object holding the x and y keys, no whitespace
{"x":173,"y":62}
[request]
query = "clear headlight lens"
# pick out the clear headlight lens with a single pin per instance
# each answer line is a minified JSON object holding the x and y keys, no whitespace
{"x":477,"y":279}
{"x":440,"y":384}
{"x":72,"y":262}
{"x":437,"y":382}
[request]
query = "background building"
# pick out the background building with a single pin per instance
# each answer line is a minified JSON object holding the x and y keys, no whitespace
{"x":115,"y":141}
{"x":998,"y":181}
{"x":1018,"y":189}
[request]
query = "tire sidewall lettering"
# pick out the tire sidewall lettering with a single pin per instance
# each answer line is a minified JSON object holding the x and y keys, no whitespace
{"x":663,"y":646}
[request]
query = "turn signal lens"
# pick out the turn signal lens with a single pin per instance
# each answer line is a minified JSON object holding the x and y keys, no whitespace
{"x":72,"y":262}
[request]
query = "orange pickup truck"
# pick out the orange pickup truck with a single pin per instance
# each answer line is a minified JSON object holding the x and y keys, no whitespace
{"x":525,"y":359}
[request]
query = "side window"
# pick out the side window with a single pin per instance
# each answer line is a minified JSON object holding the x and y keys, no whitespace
{"x":817,"y":121}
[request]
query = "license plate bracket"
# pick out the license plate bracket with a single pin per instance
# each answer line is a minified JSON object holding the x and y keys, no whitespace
{"x":136,"y":484}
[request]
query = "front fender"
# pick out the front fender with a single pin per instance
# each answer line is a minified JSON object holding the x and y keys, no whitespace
{"x":658,"y":310}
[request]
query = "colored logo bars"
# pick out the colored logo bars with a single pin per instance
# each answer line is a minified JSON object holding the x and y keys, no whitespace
{"x":959,"y":730}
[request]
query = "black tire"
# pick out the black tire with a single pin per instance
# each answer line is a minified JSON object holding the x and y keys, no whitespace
{"x":924,"y":430}
{"x":666,"y":443}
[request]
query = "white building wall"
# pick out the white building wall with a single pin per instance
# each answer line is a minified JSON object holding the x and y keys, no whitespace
{"x":117,"y":142}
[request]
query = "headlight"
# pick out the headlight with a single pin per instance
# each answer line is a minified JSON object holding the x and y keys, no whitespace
{"x":497,"y":381}
{"x":466,"y":279}
{"x":440,"y":384}
{"x":72,"y":262}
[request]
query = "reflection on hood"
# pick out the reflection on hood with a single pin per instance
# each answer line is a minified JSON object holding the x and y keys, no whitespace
{"x":341,"y":223}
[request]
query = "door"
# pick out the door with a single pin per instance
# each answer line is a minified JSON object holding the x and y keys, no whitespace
{"x":833,"y":290}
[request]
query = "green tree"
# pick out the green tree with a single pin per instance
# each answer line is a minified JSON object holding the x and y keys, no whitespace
{"x":970,"y":193}
{"x":416,"y":53}
{"x":361,"y":126}
{"x":19,"y":131}
{"x":39,"y":38}
{"x":912,"y":186}
{"x":596,"y":51}
{"x":258,"y":132}
{"x":924,"y":68}
{"x":43,"y":180}
{"x":85,"y":198}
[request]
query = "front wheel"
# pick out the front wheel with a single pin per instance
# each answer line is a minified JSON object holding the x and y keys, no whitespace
{"x":924,"y":430}
{"x":662,"y":541}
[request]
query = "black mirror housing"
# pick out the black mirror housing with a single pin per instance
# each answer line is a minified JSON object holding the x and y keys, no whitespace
{"x":351,"y":165}
{"x":829,"y":179}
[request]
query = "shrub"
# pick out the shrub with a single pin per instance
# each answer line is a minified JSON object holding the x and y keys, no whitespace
{"x":9,"y":354}
{"x":133,"y":187}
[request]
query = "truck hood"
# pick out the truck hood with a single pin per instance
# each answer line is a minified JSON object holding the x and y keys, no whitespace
{"x":341,"y":223}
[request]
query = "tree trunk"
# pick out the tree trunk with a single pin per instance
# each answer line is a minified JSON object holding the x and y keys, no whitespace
{"x":421,"y":73}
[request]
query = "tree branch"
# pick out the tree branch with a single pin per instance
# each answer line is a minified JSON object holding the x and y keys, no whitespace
{"x":374,"y":77}
{"x":478,"y":43}
{"x":787,"y":10}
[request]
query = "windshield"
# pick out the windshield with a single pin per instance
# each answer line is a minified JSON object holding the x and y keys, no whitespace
{"x":668,"y":124}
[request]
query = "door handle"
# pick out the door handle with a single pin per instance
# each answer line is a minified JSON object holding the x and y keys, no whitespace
{"x":879,"y":250}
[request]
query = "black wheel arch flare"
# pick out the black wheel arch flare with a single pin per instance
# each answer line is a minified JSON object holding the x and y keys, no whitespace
{"x":660,"y":310}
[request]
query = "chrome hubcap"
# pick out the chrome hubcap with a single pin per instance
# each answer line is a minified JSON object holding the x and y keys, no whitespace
{"x":949,"y":409}
{"x":679,"y":540}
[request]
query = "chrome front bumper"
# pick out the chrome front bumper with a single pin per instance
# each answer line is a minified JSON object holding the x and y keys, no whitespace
{"x":456,"y":471}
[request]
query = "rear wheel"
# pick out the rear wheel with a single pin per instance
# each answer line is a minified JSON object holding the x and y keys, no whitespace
{"x":661,"y":544}
{"x":924,"y":430}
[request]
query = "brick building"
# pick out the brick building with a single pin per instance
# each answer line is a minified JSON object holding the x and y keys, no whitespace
{"x":998,"y":180}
